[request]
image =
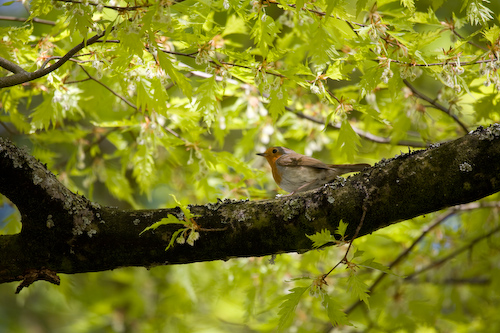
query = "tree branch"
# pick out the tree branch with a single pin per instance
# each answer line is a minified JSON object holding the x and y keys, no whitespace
{"x":63,"y":232}
{"x":453,"y":254}
{"x":24,"y":76}
{"x":117,"y":8}
{"x":12,"y":67}
{"x":436,"y":105}
{"x":440,"y":219}
{"x":364,"y":134}
{"x":22,"y":19}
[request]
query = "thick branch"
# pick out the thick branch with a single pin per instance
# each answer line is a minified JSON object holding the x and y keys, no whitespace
{"x":12,"y":67}
{"x":65,"y":233}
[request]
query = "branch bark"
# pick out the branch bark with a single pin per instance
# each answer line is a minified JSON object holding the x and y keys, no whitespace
{"x":63,"y":232}
{"x":21,"y":76}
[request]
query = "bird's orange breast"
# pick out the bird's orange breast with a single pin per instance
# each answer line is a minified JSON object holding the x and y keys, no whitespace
{"x":272,"y":162}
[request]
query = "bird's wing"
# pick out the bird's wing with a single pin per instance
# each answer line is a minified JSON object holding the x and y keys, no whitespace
{"x":296,"y":160}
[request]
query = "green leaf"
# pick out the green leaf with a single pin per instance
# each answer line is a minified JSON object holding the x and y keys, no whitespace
{"x":115,"y":123}
{"x":143,"y":99}
{"x":357,"y":254}
{"x":175,"y":75}
{"x":278,"y":100}
{"x":264,"y":32}
{"x":144,"y":167}
{"x":347,"y":141}
{"x":207,"y":102}
{"x":321,"y":47}
{"x":370,"y":79}
{"x":334,"y":71}
{"x":299,"y":4}
{"x":321,"y":238}
{"x":334,"y":311}
{"x":119,"y":185}
{"x":187,"y":213}
{"x":235,"y":25}
{"x":360,"y":5}
{"x":492,"y":34}
{"x":44,"y":113}
{"x":40,"y":8}
{"x":341,"y":229}
{"x":410,"y":4}
{"x":170,"y":219}
{"x":370,"y":263}
{"x":174,"y":238}
{"x":358,"y":287}
{"x":287,"y":308}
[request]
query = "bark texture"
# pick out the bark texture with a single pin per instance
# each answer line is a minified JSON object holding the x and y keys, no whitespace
{"x":63,"y":232}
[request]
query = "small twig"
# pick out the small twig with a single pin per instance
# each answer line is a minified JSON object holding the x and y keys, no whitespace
{"x":232,"y":64}
{"x":450,"y":281}
{"x":344,"y":259}
{"x":117,"y":8}
{"x":452,"y":63}
{"x":469,"y":42}
{"x":132,"y":105}
{"x":22,"y":19}
{"x":59,"y":57}
{"x":440,"y":219}
{"x":402,"y":255}
{"x":77,"y":81}
{"x":317,"y":12}
{"x":436,"y":105}
{"x":453,"y":254}
{"x":365,"y":135}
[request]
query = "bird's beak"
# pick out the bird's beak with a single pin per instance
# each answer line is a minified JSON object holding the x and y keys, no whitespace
{"x":261,"y":154}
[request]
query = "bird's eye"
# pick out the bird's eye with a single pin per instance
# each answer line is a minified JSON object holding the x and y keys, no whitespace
{"x":275,"y":151}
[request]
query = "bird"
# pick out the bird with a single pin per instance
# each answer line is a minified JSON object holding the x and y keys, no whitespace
{"x":294,"y":172}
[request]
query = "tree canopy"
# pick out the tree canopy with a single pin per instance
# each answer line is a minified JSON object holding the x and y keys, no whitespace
{"x":144,"y":118}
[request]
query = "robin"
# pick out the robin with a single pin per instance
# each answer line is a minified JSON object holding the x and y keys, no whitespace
{"x":294,"y":172}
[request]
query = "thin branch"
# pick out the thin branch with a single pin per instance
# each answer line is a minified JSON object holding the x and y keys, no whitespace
{"x":59,"y":57}
{"x":452,"y":63}
{"x":404,"y":254}
{"x":356,"y":233}
{"x":454,"y":253}
{"x":364,"y":134}
{"x":232,"y":64}
{"x":469,"y":42}
{"x":132,"y":105}
{"x":23,"y":77}
{"x":443,"y":217}
{"x":117,"y":8}
{"x":318,"y":13}
{"x":78,"y":81}
{"x":450,"y":281}
{"x":436,"y":105}
{"x":22,"y":19}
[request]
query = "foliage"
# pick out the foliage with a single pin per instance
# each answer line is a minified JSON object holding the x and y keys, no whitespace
{"x":178,"y":96}
{"x":187,"y":234}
